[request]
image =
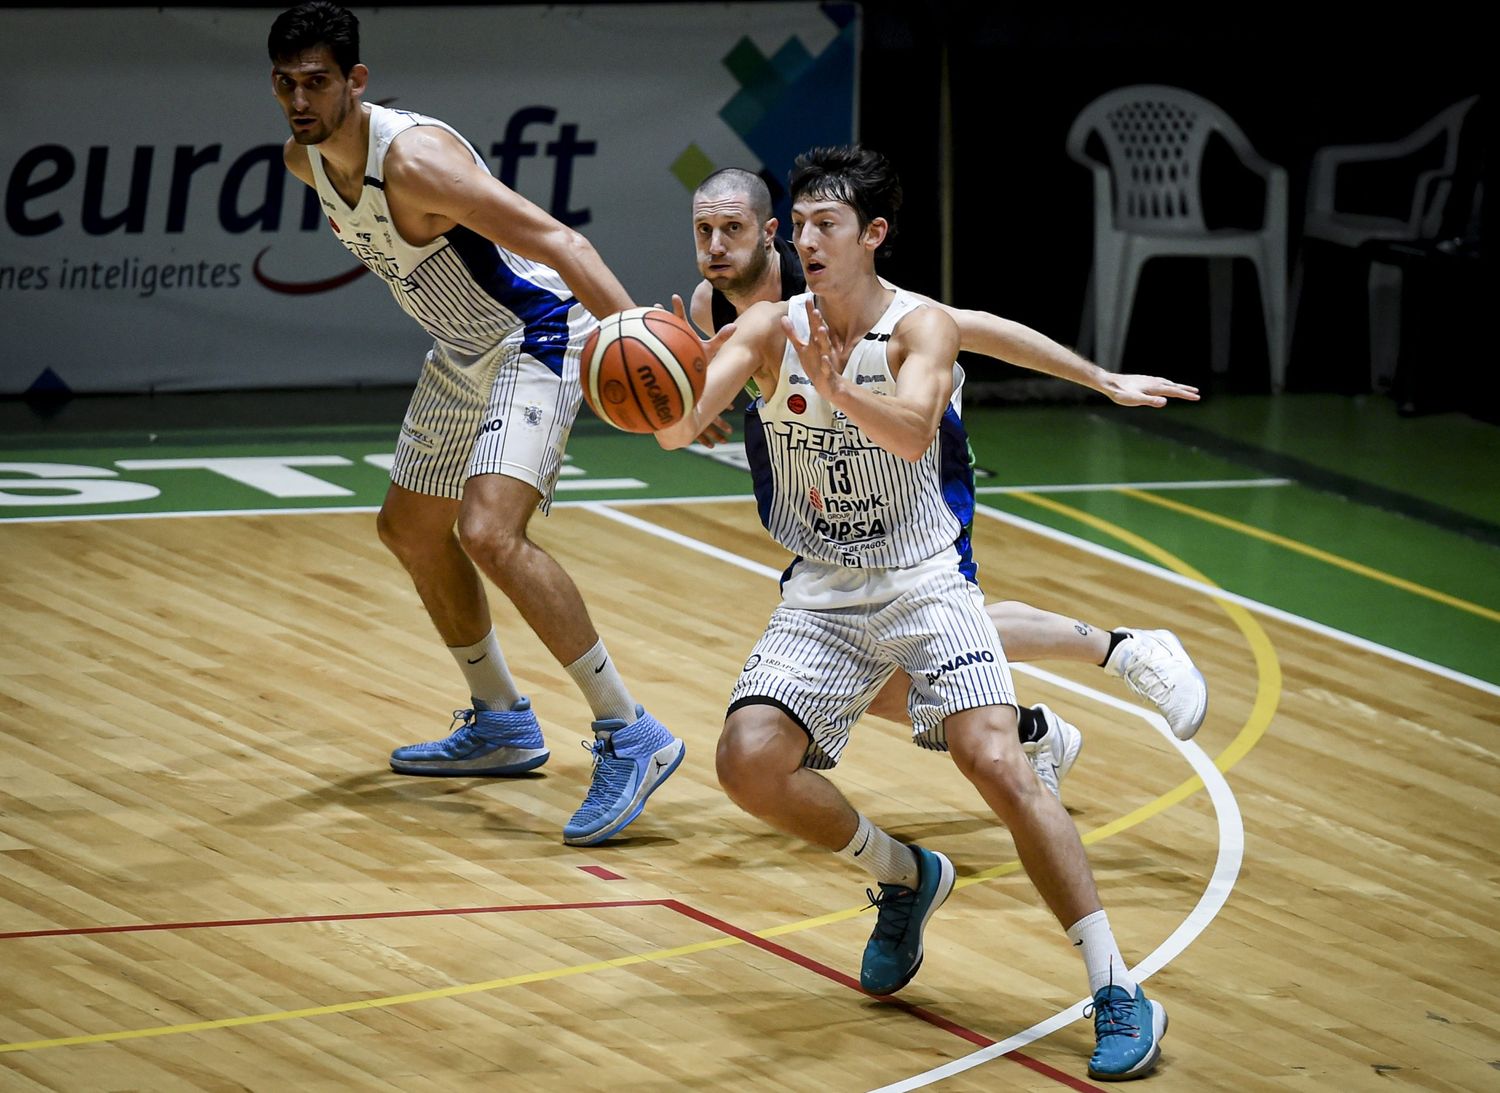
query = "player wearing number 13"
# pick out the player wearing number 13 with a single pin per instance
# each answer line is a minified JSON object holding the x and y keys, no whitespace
{"x":861,"y":470}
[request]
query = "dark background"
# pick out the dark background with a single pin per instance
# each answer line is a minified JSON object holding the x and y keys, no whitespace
{"x":1294,"y":78}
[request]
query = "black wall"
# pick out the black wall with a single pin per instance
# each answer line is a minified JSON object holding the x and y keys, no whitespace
{"x":1295,"y":79}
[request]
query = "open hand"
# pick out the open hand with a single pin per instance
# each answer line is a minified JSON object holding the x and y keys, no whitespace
{"x":1132,"y":390}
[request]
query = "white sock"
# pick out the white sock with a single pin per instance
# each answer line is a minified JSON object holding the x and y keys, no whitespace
{"x":1100,"y":953}
{"x":885,"y":859}
{"x":600,"y":682}
{"x":483,"y":666}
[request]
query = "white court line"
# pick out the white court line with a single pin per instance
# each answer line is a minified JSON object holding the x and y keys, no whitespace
{"x":1127,"y":560}
{"x":1089,"y":487}
{"x":1234,"y":597}
{"x":1215,"y":894}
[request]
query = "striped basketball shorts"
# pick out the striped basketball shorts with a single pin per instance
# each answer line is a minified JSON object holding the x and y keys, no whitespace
{"x":823,"y":667}
{"x":505,"y":412}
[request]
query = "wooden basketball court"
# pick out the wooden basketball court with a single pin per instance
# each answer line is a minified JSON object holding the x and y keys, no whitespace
{"x":210,"y":880}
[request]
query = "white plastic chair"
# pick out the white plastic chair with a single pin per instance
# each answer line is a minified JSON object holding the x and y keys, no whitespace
{"x":1431,"y":191}
{"x":1148,"y":204}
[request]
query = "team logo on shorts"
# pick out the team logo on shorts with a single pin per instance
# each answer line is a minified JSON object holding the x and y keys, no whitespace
{"x":532,"y":415}
{"x":796,"y":404}
{"x":752,"y":662}
{"x":421,"y":441}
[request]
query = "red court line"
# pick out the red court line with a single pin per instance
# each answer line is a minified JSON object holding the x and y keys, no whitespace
{"x":600,"y":872}
{"x":291,"y":920}
{"x":703,"y":917}
{"x":836,"y":976}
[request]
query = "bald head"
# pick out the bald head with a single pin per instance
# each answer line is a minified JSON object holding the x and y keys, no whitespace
{"x":735,"y":235}
{"x":730,"y":183}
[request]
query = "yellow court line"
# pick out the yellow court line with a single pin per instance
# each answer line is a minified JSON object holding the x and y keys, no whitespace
{"x":1313,"y":552}
{"x":1267,"y":664}
{"x":1268,"y":690}
{"x":377,"y":1003}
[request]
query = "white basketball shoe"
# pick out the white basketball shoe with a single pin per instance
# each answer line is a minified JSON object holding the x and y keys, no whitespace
{"x":1055,"y":753}
{"x":1155,"y":666}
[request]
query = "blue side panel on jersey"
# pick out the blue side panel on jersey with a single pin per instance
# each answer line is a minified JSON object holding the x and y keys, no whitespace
{"x":957,"y":474}
{"x":760,"y":463}
{"x":544,"y":314}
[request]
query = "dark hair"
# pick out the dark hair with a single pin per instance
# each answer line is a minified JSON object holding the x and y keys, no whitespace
{"x":313,"y":24}
{"x":729,"y":181}
{"x":851,"y":175}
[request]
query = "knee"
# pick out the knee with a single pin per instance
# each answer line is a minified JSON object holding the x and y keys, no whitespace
{"x":401,"y":538}
{"x":988,"y":759}
{"x":750,"y":766}
{"x":484,"y":535}
{"x":735,"y":766}
{"x":1007,"y":614}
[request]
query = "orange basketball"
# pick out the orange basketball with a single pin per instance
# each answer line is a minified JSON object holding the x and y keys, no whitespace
{"x":642,"y":369}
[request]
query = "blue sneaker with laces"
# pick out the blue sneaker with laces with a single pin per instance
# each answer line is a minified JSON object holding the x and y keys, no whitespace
{"x":894,"y":951}
{"x":1128,"y":1030}
{"x":486,"y":742}
{"x":630,"y":761}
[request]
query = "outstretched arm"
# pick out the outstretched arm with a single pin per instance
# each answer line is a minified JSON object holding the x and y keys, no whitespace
{"x":1006,"y":340}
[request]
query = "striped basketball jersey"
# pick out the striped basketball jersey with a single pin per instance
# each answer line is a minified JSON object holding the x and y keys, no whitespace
{"x":827,"y":492}
{"x":466,"y":291}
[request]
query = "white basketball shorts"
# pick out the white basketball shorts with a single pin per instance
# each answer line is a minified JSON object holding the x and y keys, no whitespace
{"x":823,"y":667}
{"x":505,"y":412}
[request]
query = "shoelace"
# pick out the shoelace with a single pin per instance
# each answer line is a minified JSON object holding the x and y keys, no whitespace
{"x":893,"y":907}
{"x":611,"y":776}
{"x":1114,"y":1018}
{"x":1149,"y":682}
{"x":459,"y":732}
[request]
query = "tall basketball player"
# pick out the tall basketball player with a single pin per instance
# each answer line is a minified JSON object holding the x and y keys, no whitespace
{"x":508,"y":294}
{"x":861,"y":470}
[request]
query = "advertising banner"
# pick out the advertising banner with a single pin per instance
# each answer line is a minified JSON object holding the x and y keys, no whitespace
{"x":153,"y":241}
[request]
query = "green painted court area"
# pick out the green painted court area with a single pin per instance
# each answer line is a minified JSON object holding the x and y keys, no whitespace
{"x":1331,"y":508}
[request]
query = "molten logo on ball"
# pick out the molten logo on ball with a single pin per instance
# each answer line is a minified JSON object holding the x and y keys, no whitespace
{"x":642,"y":369}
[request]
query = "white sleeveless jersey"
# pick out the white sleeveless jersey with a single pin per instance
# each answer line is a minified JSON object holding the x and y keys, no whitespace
{"x":828,"y":493}
{"x":466,"y":291}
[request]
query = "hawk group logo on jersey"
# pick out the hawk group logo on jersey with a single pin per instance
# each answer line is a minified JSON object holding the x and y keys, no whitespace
{"x":814,"y":498}
{"x":848,"y":533}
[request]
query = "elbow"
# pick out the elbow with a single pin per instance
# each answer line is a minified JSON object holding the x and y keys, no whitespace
{"x":576,"y":246}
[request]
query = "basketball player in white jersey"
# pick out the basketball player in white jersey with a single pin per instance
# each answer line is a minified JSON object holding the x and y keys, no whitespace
{"x":743,"y":262}
{"x":861,"y":470}
{"x":508,"y":294}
